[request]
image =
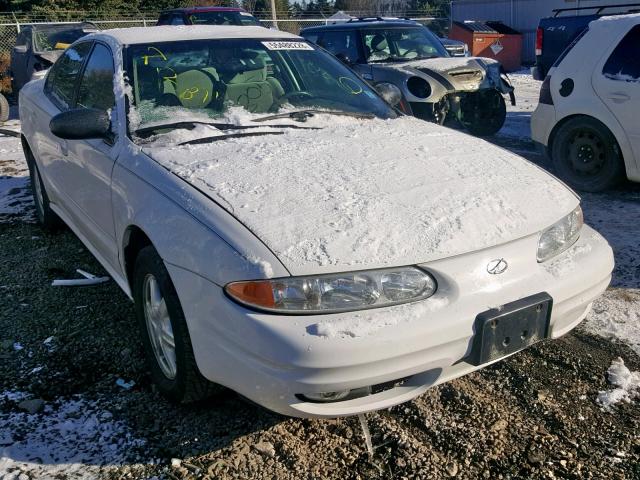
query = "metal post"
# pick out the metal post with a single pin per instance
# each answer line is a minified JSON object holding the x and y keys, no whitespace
{"x":17,"y":23}
{"x":274,"y":16}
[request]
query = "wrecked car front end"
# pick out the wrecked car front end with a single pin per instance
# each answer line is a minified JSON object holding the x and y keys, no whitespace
{"x":469,"y":89}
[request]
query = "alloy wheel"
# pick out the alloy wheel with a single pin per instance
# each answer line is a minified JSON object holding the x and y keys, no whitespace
{"x":159,"y":326}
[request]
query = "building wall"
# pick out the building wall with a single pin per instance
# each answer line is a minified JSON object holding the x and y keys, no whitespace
{"x":523,"y":15}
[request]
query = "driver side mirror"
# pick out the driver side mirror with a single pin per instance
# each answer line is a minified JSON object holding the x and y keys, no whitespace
{"x":389,"y":92}
{"x":81,"y":124}
{"x":20,"y":49}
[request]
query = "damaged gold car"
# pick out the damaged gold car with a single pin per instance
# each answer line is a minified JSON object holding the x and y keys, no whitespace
{"x":411,"y":68}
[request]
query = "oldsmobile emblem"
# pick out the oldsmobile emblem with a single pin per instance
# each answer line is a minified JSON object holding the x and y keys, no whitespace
{"x":496,"y":267}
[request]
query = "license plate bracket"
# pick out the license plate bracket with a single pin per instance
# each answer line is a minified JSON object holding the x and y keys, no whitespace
{"x":501,"y":331}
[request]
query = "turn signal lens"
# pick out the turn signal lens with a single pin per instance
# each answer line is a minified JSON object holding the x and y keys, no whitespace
{"x":256,"y":293}
{"x":336,"y":292}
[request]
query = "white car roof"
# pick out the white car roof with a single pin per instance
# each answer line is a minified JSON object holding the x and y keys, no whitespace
{"x":170,"y":33}
{"x":615,"y":21}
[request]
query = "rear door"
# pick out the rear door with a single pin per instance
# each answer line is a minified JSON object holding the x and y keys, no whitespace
{"x":616,"y":80}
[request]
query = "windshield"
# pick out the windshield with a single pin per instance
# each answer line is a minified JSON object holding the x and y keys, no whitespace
{"x":48,"y":40}
{"x":223,"y":18}
{"x":400,"y":44}
{"x":205,"y":79}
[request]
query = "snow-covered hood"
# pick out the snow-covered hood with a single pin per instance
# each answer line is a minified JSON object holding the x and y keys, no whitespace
{"x":372,"y":193}
{"x":464,"y":73}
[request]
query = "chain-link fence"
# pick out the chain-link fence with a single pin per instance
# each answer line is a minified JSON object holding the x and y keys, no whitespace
{"x":10,"y":25}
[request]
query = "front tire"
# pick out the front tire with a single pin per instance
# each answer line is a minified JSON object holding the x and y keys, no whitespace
{"x":585,"y":154}
{"x":483,"y":113}
{"x":165,"y":334}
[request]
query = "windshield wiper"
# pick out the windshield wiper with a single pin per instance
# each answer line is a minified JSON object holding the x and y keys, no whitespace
{"x":191,"y":124}
{"x":227,"y":137}
{"x":304,"y":115}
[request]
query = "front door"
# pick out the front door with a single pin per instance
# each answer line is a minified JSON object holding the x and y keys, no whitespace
{"x":616,"y":80}
{"x":87,"y":181}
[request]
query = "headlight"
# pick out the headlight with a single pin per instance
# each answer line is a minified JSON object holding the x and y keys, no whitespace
{"x":560,"y":236}
{"x":336,"y":292}
{"x":389,"y":92}
{"x":39,"y":74}
{"x":419,"y":87}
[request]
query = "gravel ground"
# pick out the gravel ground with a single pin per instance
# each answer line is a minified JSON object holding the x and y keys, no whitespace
{"x":72,"y":357}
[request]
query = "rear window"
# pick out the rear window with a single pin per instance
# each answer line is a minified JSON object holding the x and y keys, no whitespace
{"x":47,"y":40}
{"x":624,"y":62}
{"x":222,"y":18}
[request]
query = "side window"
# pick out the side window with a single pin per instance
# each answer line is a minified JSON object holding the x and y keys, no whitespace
{"x":341,"y":44}
{"x":624,"y":62}
{"x":96,"y":84}
{"x":63,"y":76}
{"x":376,"y":45}
{"x":176,"y":20}
{"x":312,"y":37}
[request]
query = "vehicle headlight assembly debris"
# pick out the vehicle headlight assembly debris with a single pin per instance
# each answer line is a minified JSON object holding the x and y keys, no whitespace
{"x":560,"y":236}
{"x":339,"y":292}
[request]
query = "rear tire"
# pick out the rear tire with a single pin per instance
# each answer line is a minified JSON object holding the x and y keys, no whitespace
{"x":165,"y":334}
{"x":483,"y":113}
{"x":586,"y":155}
{"x":4,"y":108}
{"x":46,"y":217}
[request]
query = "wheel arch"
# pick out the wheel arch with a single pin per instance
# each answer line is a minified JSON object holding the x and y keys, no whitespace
{"x":134,"y":240}
{"x":569,"y":118}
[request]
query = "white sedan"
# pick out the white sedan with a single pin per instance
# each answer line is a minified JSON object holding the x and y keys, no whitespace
{"x":284,"y":233}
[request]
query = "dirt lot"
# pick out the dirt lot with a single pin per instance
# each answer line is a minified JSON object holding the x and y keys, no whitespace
{"x":73,"y":355}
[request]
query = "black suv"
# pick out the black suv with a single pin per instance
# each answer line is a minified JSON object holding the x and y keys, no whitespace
{"x":207,"y":16}
{"x":38,"y":46}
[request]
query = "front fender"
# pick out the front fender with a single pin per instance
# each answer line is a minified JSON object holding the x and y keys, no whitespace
{"x":187,"y":228}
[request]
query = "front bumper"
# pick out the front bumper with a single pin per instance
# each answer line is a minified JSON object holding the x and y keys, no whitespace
{"x":271,"y":358}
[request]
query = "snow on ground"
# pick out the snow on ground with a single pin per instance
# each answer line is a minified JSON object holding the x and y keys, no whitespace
{"x":15,"y":196}
{"x":627,"y":385}
{"x":70,"y":438}
{"x":617,"y":315}
{"x":527,"y":91}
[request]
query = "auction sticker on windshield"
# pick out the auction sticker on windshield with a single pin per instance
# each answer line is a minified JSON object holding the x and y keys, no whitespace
{"x":287,"y":45}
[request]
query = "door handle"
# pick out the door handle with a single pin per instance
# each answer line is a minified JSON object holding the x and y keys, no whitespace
{"x":619,"y":97}
{"x":64,"y":148}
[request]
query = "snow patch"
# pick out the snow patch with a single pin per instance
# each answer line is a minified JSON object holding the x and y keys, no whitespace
{"x":369,"y":322}
{"x":616,"y":314}
{"x":69,"y":439}
{"x":16,"y":202}
{"x":265,"y":267}
{"x":566,"y":261}
{"x":626,"y":381}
